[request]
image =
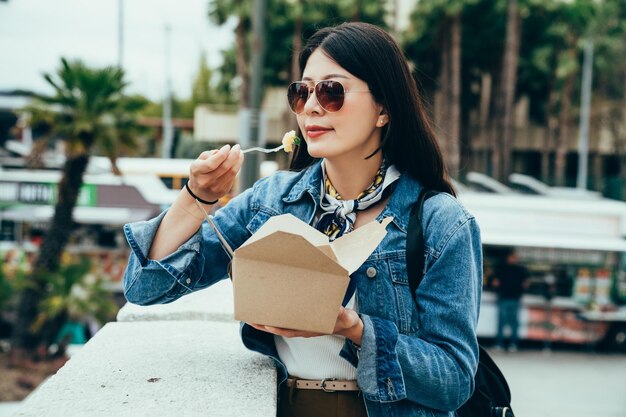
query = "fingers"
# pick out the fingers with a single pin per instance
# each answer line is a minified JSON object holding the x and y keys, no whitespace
{"x":206,"y":154}
{"x":257,"y":326}
{"x":284,"y":332}
{"x":211,"y":161}
{"x":279,"y":331}
{"x":213,"y":173}
{"x":346,"y":320}
{"x":230,"y":167}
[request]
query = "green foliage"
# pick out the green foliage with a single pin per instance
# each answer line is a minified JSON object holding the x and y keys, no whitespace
{"x":83,"y":98}
{"x":208,"y":88}
{"x":76,"y":292}
{"x":201,"y":91}
{"x":88,"y":108}
{"x":482,"y":41}
{"x":280,"y":35}
{"x":221,"y":10}
{"x":609,"y":35}
{"x":121,"y":137}
{"x":314,"y":16}
{"x":6,"y":289}
{"x":226,"y":91}
{"x":551,"y":29}
{"x":13,"y":270}
{"x":181,"y":108}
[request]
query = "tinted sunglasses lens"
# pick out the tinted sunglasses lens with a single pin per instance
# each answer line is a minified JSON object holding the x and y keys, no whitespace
{"x":330,"y":95}
{"x":297,"y":95}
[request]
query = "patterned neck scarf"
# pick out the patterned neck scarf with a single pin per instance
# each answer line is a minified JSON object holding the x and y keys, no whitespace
{"x":339,"y":215}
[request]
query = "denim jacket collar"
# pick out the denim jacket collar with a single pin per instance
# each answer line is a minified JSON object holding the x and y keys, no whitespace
{"x":401,"y":201}
{"x":309,"y":181}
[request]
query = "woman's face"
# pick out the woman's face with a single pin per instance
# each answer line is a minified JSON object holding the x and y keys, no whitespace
{"x":355,"y":130}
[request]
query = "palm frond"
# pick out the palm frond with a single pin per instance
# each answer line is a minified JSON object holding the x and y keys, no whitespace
{"x":90,"y":103}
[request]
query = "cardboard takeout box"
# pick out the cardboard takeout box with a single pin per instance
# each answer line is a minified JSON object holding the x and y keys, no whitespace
{"x":288,"y":274}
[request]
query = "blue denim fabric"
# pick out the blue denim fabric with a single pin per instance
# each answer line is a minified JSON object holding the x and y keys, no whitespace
{"x":414,"y":360}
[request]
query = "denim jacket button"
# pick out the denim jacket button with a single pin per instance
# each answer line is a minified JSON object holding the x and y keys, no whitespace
{"x":188,"y":281}
{"x":371,"y":272}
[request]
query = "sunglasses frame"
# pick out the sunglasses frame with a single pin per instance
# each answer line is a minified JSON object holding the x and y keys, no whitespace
{"x":311,"y":90}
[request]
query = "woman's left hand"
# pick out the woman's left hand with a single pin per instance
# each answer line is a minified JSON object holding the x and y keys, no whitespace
{"x":348,"y":324}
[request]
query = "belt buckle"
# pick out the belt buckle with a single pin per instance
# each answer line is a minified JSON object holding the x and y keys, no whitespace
{"x":323,"y":384}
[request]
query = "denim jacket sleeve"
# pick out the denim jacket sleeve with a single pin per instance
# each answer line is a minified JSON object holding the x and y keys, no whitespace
{"x":436,"y":367}
{"x":196,"y":264}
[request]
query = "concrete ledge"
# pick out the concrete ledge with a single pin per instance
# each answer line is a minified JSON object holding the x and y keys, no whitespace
{"x":185,"y":368}
{"x":7,"y":408}
{"x":213,"y":304}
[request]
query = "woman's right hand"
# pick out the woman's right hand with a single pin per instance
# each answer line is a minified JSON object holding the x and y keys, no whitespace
{"x":212,"y":175}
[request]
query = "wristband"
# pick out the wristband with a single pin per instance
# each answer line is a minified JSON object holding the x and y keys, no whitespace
{"x":198,"y":198}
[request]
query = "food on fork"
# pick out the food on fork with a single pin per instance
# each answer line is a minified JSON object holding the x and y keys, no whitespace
{"x":290,"y":140}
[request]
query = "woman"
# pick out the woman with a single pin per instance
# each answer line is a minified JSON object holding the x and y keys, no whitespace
{"x":368,"y":150}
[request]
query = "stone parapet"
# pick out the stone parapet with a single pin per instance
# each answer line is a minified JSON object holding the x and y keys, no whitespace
{"x":160,"y":368}
{"x":211,"y":304}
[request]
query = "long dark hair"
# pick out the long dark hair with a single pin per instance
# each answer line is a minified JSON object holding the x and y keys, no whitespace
{"x":371,"y":54}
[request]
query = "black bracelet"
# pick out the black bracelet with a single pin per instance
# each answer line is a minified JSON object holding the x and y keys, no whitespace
{"x":198,"y":198}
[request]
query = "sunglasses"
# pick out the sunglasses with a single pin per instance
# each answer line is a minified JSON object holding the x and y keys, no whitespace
{"x":328,"y":93}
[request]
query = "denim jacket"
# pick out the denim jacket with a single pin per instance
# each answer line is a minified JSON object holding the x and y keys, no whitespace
{"x":414,"y":360}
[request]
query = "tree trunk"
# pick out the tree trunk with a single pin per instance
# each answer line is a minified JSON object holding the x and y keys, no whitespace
{"x":454,"y":157}
{"x":485,"y":100}
{"x":564,"y":126}
{"x":483,"y":133}
{"x":622,"y":169}
{"x":295,"y":63}
{"x":495,"y":135}
{"x":356,"y":11}
{"x":50,"y":253}
{"x":442,"y":97}
{"x":548,"y":139}
{"x":551,"y":123}
{"x":242,"y":64}
{"x":495,"y":138}
{"x":35,"y":159}
{"x":297,"y":47}
{"x":509,"y":80}
{"x":114,"y":168}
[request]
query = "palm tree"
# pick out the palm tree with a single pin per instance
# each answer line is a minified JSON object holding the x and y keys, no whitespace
{"x":502,"y":154}
{"x":445,"y":17}
{"x":570,"y":65}
{"x":219,"y":13}
{"x":454,"y":91}
{"x":576,"y":18}
{"x":41,"y":122}
{"x":87,"y":104}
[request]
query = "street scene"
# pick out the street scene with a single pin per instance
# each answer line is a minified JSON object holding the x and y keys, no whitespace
{"x":207,"y":183}
{"x":565,"y":383}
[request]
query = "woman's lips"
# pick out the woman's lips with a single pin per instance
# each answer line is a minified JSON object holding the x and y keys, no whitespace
{"x":316,"y":131}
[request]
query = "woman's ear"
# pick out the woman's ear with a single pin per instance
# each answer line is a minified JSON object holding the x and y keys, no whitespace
{"x":383,"y":119}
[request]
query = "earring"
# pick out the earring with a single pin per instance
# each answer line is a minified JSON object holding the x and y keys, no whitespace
{"x":381,"y":122}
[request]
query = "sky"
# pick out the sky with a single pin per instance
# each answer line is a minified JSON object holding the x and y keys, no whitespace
{"x":35,"y":34}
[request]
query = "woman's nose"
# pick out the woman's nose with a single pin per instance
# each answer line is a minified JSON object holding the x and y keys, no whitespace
{"x":312,"y":105}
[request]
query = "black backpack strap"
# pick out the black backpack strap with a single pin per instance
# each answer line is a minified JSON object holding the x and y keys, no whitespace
{"x":415,"y":242}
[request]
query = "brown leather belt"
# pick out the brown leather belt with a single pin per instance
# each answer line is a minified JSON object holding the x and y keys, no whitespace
{"x":326,"y":385}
